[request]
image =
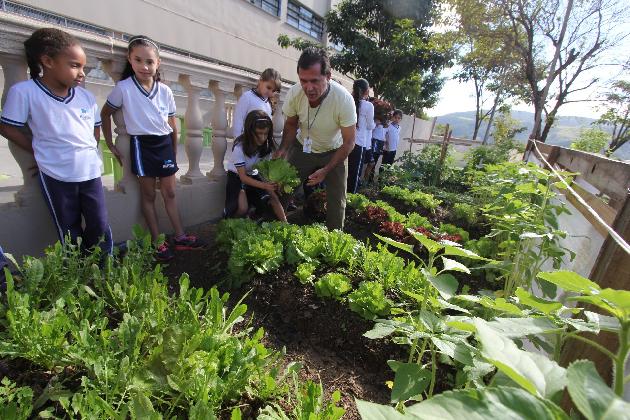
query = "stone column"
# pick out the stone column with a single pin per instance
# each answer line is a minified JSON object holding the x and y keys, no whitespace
{"x":219,"y":128}
{"x":14,"y":69}
{"x":128,"y":182}
{"x":238,"y":91}
{"x":278,"y":120}
{"x":194,"y":127}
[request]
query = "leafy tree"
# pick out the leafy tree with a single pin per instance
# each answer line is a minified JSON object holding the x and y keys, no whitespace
{"x":400,"y":57}
{"x":591,"y":140}
{"x":491,"y":66}
{"x":558,"y":43}
{"x":506,"y":128}
{"x":617,"y":115}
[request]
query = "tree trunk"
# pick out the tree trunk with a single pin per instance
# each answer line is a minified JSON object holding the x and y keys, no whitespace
{"x":491,"y":118}
{"x":548,"y":124}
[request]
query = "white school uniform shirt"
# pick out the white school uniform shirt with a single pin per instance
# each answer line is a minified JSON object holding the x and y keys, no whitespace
{"x":379,"y":132}
{"x":63,"y":129}
{"x":239,"y":159}
{"x":392,"y":136}
{"x":145,"y":113}
{"x":248,"y":102}
{"x":365,"y":124}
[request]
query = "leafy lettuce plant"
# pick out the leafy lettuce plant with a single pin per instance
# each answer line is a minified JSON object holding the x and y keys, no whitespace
{"x":333,"y":285}
{"x":281,"y":172}
{"x":413,"y":198}
{"x":357,"y":201}
{"x":256,"y":253}
{"x":369,"y":300}
{"x":304,"y":272}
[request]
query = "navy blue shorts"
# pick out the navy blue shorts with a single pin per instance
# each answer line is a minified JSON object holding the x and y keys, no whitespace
{"x":72,"y":202}
{"x":153,"y":156}
{"x":377,"y":149}
{"x":256,"y":197}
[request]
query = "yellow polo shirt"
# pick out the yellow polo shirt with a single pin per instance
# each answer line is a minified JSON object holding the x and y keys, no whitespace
{"x":336,"y":110}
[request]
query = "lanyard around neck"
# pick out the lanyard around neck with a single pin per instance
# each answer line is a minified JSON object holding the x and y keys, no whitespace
{"x":310,"y":123}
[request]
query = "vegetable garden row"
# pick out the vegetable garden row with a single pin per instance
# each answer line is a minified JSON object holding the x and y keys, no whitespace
{"x":439,"y":270}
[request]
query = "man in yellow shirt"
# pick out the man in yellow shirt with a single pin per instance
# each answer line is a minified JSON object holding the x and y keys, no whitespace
{"x":325,"y":113}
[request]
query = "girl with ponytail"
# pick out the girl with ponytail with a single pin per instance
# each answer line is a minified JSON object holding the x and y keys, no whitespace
{"x":365,"y":125}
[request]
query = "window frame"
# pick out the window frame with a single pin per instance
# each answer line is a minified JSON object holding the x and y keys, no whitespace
{"x":262,"y":6}
{"x":313,"y":18}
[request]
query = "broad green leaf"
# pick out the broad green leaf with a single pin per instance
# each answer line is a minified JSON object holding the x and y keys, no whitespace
{"x":461,"y":325}
{"x":461,"y":252}
{"x":380,"y":330}
{"x":616,"y":302}
{"x":452,"y":265}
{"x":505,"y":403}
{"x":458,"y":350}
{"x":591,"y":395}
{"x":534,"y":372}
{"x":446,"y":305}
{"x":521,"y":327}
{"x":542,"y":305}
{"x":372,"y":411}
{"x":400,"y":245}
{"x":236,"y":413}
{"x":501,"y":305}
{"x":603,"y":322}
{"x":141,"y":408}
{"x":532,"y":235}
{"x":411,"y":380}
{"x":570,"y":281}
{"x":431,"y":245}
{"x":445,"y":284}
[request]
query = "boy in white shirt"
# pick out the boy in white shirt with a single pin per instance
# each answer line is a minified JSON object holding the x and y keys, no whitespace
{"x":392,"y":136}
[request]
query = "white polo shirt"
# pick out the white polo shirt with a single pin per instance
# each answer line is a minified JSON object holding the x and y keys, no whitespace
{"x":365,"y":124}
{"x":335,"y":111}
{"x":63,"y":129}
{"x":392,"y":136}
{"x":145,"y":113}
{"x":379,"y":132}
{"x":239,"y":159}
{"x":248,"y":102}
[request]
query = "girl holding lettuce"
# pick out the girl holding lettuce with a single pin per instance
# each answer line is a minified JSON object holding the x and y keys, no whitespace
{"x":244,"y":186}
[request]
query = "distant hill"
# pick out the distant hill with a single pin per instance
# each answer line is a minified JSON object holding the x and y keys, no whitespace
{"x":563,"y":132}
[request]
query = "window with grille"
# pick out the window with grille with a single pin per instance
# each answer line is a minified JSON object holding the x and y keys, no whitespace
{"x":306,"y":21}
{"x":269,"y":6}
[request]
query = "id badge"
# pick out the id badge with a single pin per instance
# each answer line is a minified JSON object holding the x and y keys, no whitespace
{"x":307,"y":147}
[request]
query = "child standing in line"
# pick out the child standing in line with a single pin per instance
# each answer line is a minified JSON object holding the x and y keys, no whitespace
{"x":392,"y":136}
{"x":65,"y":123}
{"x":244,"y":187}
{"x":365,"y":124}
{"x":256,"y":98}
{"x":148,"y":108}
{"x":378,"y":142}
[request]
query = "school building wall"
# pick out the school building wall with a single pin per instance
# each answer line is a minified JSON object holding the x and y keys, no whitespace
{"x":231,"y":31}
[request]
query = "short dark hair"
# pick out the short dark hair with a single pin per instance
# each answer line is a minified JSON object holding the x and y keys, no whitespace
{"x":398,"y":112}
{"x":314,"y":55}
{"x":45,"y":41}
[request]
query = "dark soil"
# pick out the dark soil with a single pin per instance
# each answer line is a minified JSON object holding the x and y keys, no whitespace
{"x":323,"y":335}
